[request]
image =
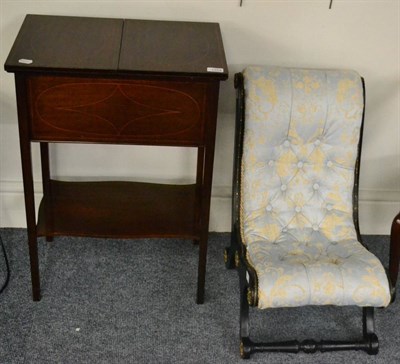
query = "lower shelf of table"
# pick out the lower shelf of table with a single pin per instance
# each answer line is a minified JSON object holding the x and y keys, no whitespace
{"x":118,"y":209}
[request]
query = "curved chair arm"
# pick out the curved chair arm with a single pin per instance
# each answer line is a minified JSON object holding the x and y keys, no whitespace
{"x":394,"y":251}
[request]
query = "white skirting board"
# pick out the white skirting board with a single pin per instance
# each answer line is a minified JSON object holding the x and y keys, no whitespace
{"x":377,"y":208}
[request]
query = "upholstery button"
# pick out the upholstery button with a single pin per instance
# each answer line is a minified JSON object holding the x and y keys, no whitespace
{"x":317,"y":142}
{"x":269,"y":208}
{"x":300,"y":164}
{"x":283,"y":188}
{"x":284,"y":230}
{"x":315,"y":186}
{"x":315,"y":227}
{"x":329,"y":164}
{"x":286,"y":143}
{"x":271,"y":163}
{"x":329,"y":207}
{"x":298,"y":209}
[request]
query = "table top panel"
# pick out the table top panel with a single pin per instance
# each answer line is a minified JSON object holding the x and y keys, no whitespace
{"x":81,"y":44}
{"x":66,"y":43}
{"x":171,"y":46}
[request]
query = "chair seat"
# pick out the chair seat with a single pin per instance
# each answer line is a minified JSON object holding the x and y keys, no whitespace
{"x":320,"y":272}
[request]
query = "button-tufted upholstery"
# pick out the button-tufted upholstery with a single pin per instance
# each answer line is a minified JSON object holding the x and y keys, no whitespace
{"x":299,"y":152}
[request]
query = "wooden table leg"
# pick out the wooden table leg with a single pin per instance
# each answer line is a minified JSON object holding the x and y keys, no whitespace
{"x":394,"y":260}
{"x":199,"y":189}
{"x":26,"y":159}
{"x":206,"y":158}
{"x":44,"y":155}
{"x":201,"y":209}
{"x":205,"y":218}
{"x":30,"y":217}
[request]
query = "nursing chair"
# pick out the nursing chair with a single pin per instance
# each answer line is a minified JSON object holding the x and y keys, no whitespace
{"x":295,"y":234}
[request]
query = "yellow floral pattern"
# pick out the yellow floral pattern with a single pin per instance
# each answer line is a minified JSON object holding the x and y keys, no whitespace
{"x":300,"y":148}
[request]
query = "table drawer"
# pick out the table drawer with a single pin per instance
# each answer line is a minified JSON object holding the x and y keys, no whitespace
{"x":117,"y":110}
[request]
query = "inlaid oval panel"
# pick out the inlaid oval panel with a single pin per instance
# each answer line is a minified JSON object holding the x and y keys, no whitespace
{"x":121,"y":110}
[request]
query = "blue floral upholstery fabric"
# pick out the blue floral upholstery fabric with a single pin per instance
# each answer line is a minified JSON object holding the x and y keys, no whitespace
{"x":302,"y":129}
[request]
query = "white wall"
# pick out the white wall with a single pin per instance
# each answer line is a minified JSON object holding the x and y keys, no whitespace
{"x":362,"y":35}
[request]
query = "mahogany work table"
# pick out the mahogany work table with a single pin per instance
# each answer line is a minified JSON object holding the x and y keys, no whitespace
{"x":97,"y":80}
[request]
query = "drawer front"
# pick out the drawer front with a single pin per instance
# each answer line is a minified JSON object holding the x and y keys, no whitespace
{"x":117,"y":111}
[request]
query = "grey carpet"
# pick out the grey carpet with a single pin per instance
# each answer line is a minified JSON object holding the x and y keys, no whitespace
{"x":121,"y":301}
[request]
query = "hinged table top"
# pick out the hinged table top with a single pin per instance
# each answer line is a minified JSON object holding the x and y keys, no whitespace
{"x":116,"y":46}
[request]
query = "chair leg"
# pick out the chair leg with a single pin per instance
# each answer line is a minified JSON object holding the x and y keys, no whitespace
{"x":229,"y":257}
{"x":369,"y":342}
{"x":369,"y":331}
{"x":231,"y":253}
{"x":246,"y":345}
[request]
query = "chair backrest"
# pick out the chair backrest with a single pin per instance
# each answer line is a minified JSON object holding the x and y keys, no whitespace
{"x":300,"y":147}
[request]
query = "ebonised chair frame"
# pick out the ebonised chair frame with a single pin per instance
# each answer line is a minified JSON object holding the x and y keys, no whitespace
{"x":235,"y":257}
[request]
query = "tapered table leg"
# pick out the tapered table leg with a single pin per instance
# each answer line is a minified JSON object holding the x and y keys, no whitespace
{"x":205,"y":218}
{"x":30,"y":217}
{"x":44,"y":156}
{"x":26,"y":160}
{"x":206,"y":162}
